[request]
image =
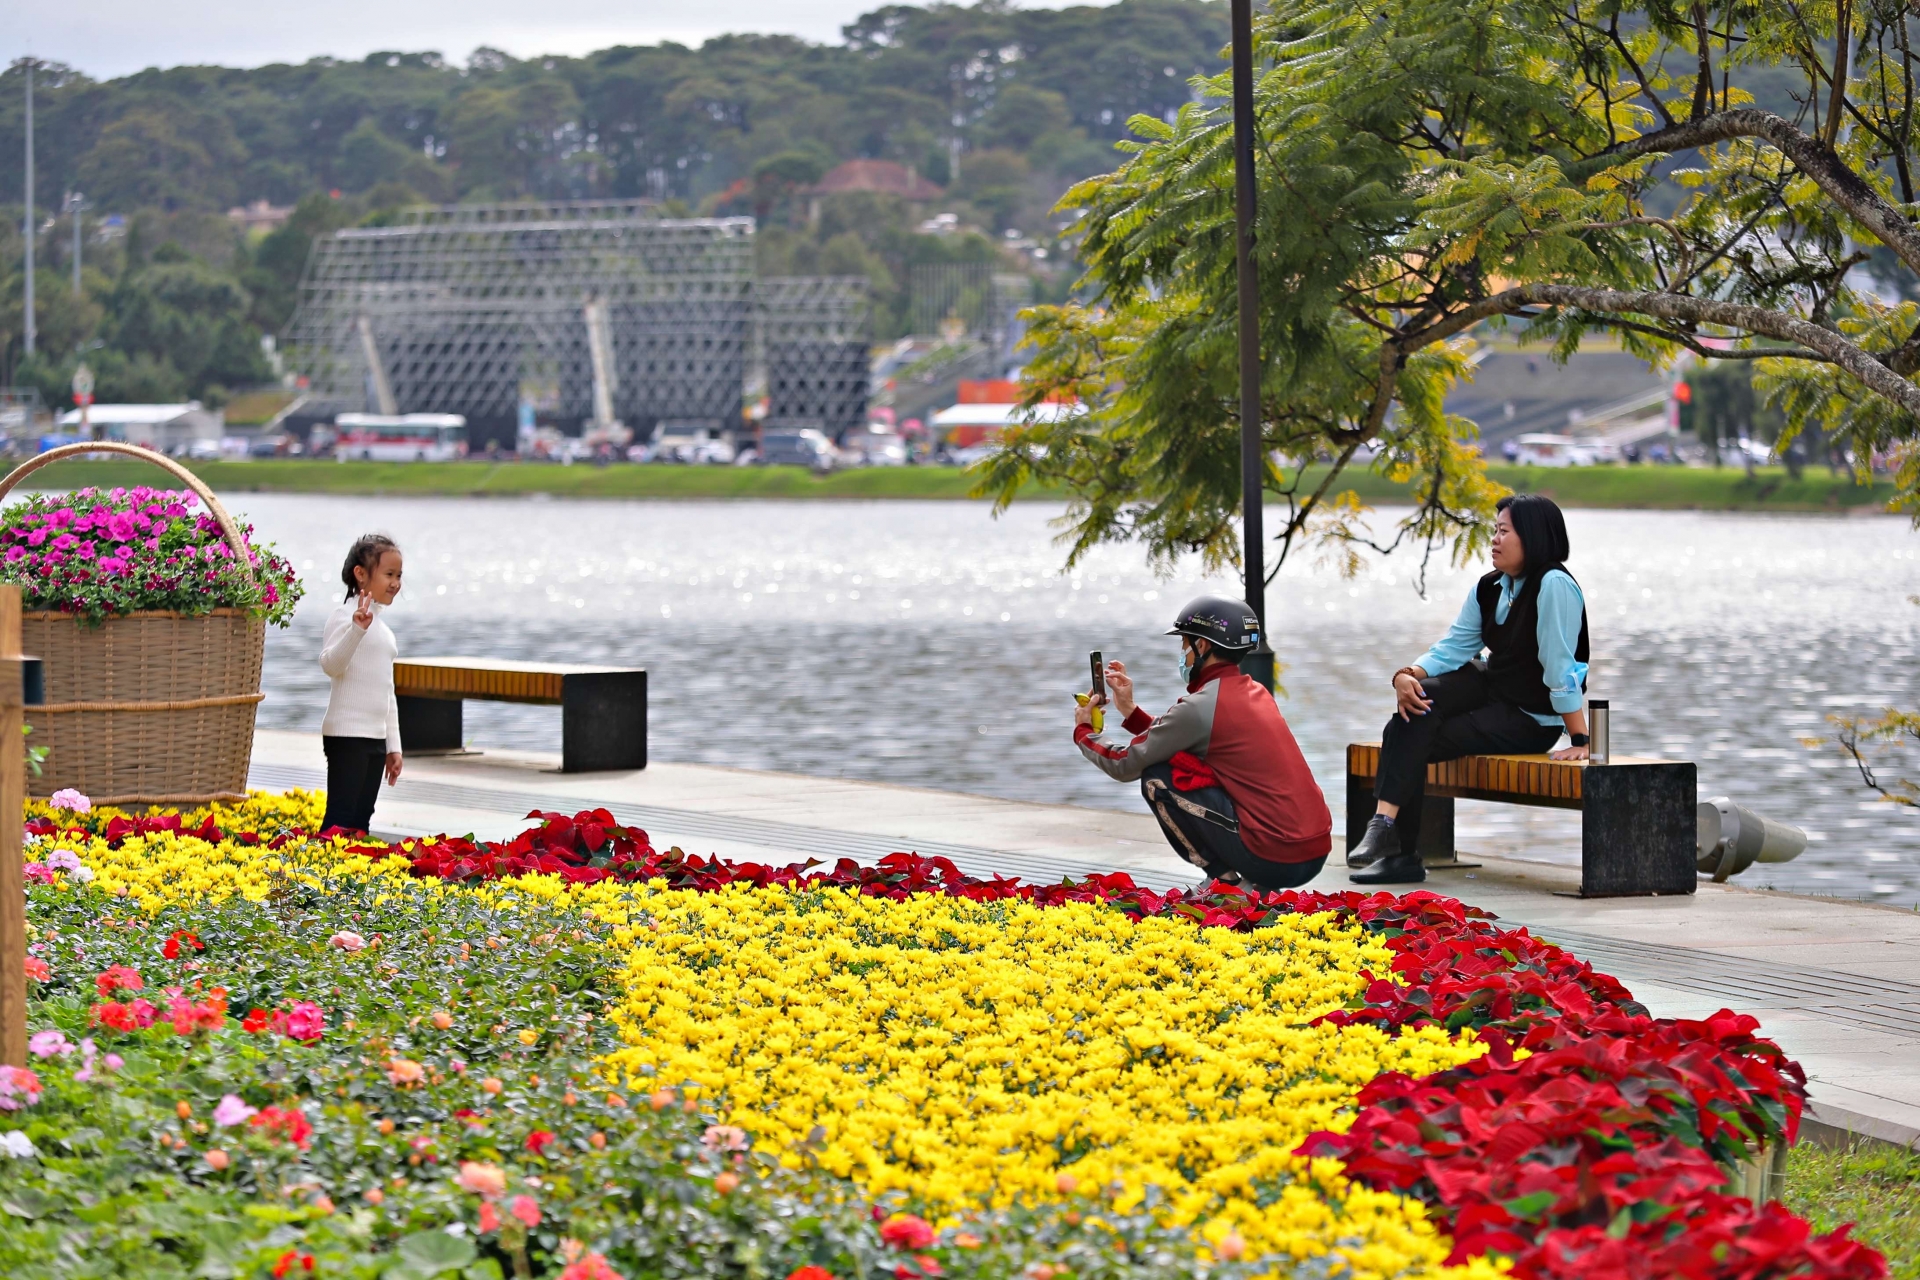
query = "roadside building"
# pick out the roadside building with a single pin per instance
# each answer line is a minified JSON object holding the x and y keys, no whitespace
{"x":259,"y":216}
{"x":870,"y":175}
{"x":169,"y":428}
{"x":986,"y":407}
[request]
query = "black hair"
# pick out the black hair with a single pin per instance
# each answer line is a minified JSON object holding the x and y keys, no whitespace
{"x":365,"y":554}
{"x":1541,"y":528}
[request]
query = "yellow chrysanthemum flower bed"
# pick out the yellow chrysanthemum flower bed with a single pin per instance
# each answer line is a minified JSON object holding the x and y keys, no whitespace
{"x":968,"y":1051}
{"x":958,"y":1051}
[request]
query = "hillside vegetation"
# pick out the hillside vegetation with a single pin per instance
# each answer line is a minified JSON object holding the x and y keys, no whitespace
{"x":1000,"y":108}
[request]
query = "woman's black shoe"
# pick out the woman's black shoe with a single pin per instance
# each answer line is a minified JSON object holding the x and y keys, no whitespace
{"x":1399,"y":869}
{"x":1379,"y":841}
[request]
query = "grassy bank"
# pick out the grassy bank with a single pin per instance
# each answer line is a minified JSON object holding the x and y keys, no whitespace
{"x":1876,"y":1186}
{"x":1669,"y":488}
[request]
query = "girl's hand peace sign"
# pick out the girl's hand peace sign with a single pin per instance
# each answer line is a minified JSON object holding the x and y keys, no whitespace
{"x":363,"y":612}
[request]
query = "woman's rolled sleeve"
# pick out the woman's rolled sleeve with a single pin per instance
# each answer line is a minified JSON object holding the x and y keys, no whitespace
{"x":1461,"y":644}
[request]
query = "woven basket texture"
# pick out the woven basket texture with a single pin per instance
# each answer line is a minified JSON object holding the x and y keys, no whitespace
{"x":114,"y":724}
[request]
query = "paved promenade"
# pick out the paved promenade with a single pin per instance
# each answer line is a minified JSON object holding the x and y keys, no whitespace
{"x":1836,"y":983}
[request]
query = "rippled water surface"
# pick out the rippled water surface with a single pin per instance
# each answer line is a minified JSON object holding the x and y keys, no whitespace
{"x":928,"y":644}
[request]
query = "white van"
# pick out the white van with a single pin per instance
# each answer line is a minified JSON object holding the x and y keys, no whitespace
{"x":1542,"y":450}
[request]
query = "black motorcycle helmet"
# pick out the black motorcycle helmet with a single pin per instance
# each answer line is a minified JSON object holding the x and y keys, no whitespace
{"x":1229,"y":625}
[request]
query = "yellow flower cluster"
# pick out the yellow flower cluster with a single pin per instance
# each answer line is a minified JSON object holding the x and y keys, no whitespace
{"x":265,"y":812}
{"x":165,"y":867}
{"x":966,"y":1051}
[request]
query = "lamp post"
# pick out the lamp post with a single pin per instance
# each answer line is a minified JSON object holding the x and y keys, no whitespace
{"x":1253,"y":466}
{"x":26,"y":223}
{"x":75,"y":203}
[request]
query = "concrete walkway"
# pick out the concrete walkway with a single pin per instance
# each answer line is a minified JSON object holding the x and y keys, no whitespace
{"x":1837,"y":984}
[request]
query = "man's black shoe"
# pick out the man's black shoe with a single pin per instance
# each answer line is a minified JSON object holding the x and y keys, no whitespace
{"x":1399,"y":869}
{"x":1379,"y":841}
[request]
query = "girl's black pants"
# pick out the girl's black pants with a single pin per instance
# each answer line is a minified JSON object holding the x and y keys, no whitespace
{"x":1466,"y":719}
{"x":354,"y":767}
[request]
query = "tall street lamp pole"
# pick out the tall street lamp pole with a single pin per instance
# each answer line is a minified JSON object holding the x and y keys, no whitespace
{"x":27,"y":227}
{"x":75,"y":203}
{"x":1253,"y":468}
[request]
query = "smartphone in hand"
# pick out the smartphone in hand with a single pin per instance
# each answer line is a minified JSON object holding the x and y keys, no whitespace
{"x":1098,"y":666}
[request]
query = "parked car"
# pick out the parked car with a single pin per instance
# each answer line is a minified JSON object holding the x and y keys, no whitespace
{"x":874,"y":448}
{"x":697,"y":446}
{"x":807,"y":448}
{"x":971,"y":454}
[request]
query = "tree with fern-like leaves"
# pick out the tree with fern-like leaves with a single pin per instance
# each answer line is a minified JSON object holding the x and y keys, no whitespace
{"x":1427,"y":169}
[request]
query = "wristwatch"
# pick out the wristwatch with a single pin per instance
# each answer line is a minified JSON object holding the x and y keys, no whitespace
{"x":1578,"y":739}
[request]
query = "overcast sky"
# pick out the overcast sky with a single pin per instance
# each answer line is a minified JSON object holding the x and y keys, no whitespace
{"x":108,"y":38}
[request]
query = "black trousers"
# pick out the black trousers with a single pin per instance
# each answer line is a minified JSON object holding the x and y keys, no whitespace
{"x":1464,"y":720}
{"x":354,"y":768}
{"x":1202,"y":828}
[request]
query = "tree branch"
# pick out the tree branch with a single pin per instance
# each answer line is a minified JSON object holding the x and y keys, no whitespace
{"x":1703,"y":77}
{"x":1843,"y":42}
{"x":1812,"y":157}
{"x":1874,"y":375}
{"x":1818,"y":342}
{"x":1693,"y":344}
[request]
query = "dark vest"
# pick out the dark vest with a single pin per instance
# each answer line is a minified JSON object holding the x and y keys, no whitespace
{"x":1514,"y":672}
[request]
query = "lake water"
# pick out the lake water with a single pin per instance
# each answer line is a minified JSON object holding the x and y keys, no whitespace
{"x":929,"y":644}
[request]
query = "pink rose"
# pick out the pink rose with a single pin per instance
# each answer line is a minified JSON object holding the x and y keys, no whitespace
{"x":304,"y":1021}
{"x":488,"y":1180}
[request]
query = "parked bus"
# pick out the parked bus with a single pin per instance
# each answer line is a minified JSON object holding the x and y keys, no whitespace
{"x":407,"y":437}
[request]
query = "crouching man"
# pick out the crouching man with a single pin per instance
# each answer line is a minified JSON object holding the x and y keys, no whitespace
{"x":1219,"y":768}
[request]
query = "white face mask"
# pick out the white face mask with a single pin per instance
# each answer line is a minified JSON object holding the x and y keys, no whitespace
{"x":1187,"y":661}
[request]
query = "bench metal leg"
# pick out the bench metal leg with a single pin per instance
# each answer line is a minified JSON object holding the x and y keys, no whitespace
{"x":1637,"y":830}
{"x":603,"y":721}
{"x":429,"y":724}
{"x":1436,"y":833}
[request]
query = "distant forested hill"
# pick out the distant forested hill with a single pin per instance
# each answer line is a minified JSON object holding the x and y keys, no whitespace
{"x":1025,"y":100}
{"x":631,"y":121}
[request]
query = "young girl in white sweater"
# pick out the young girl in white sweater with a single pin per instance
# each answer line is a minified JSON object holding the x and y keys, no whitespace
{"x":361,"y":733}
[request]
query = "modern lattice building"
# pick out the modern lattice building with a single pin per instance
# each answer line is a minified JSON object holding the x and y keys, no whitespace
{"x":596,"y":311}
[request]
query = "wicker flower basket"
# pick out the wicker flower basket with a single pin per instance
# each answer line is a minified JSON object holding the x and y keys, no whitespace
{"x":148,"y":708}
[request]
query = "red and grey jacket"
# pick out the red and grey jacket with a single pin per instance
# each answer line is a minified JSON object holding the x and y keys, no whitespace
{"x":1229,"y":721}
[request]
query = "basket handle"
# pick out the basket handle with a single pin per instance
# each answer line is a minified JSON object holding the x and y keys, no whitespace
{"x":161,"y":460}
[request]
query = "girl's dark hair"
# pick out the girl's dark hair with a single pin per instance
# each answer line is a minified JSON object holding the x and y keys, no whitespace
{"x":1541,"y":528}
{"x":365,"y":554}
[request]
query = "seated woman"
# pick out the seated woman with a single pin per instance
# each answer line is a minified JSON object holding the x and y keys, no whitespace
{"x":1531,"y":619}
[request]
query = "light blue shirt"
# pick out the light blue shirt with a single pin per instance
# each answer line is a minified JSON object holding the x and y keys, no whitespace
{"x":1561,"y":608}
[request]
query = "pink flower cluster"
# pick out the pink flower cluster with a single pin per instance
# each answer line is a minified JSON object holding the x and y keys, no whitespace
{"x":103,"y":553}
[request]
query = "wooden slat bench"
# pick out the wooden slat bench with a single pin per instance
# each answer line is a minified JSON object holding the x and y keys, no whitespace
{"x":603,"y":710}
{"x":1637,"y":823}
